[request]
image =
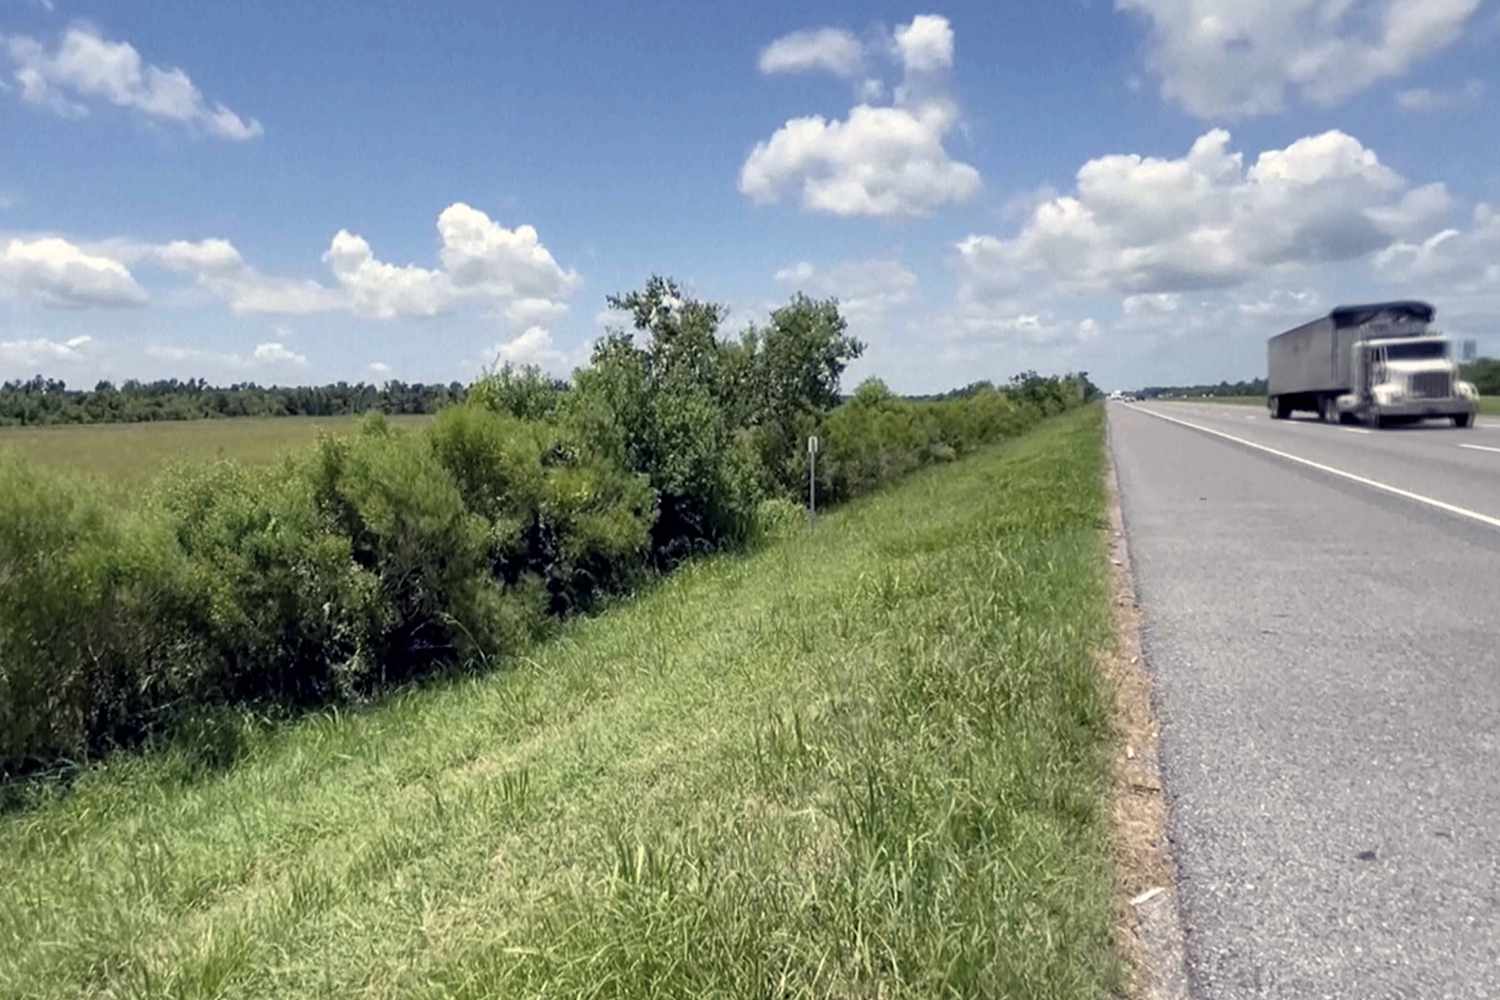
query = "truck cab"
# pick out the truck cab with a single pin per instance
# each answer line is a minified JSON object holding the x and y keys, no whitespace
{"x":1405,"y":379}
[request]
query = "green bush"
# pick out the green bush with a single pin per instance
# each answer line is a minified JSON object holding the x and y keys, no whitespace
{"x":99,"y":618}
{"x":290,"y":611}
{"x":377,"y":558}
{"x":406,"y":523}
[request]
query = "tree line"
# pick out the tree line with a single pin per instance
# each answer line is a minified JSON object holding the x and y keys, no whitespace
{"x":375,"y":558}
{"x":43,"y":401}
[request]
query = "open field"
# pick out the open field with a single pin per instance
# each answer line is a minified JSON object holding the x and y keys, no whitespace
{"x":870,"y":760}
{"x":1489,"y":404}
{"x":133,"y":453}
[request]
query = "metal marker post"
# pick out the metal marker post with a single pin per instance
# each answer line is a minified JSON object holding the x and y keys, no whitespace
{"x":812,"y":480}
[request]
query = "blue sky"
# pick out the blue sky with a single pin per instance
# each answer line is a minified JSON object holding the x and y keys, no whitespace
{"x":1146,"y":190}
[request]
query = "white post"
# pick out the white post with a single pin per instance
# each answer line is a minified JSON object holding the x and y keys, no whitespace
{"x":812,"y":480}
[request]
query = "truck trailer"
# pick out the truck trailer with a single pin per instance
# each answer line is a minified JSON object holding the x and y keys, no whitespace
{"x":1378,"y":364}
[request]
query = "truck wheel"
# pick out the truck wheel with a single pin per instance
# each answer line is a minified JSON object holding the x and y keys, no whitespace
{"x":1328,"y":410}
{"x":1462,"y":420}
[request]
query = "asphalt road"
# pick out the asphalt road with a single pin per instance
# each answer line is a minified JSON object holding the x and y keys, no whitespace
{"x":1326,"y":660}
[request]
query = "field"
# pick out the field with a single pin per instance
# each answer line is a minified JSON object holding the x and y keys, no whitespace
{"x":869,"y":760}
{"x":132,"y":453}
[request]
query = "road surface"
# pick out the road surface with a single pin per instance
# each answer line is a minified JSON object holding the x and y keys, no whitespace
{"x":1322,"y":622}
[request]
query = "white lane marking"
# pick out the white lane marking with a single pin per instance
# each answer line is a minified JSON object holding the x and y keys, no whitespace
{"x":1355,"y":430}
{"x":1480,"y":447}
{"x":1473,"y":515}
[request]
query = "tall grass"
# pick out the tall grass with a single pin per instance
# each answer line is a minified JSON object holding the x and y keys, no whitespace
{"x":868,"y":760}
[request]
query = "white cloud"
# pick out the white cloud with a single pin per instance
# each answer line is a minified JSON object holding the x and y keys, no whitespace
{"x":85,"y":66}
{"x":483,"y":256}
{"x":881,"y":161}
{"x":381,"y":290}
{"x":278,"y":354}
{"x":480,"y":260}
{"x":1463,"y":261}
{"x":60,"y":274}
{"x":1223,"y":58}
{"x":926,"y":44}
{"x":1139,"y":225}
{"x":832,"y":50}
{"x":867,"y":290}
{"x":534,"y":347}
{"x":380,"y":368}
{"x":1422,"y":99}
{"x":1001,"y":323}
{"x":25,"y":354}
{"x":220,"y":268}
{"x":1158,"y":303}
{"x":265,"y":357}
{"x":523,"y":313}
{"x":801,"y":271}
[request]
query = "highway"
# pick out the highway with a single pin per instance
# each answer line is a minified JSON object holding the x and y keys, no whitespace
{"x":1321,"y":610}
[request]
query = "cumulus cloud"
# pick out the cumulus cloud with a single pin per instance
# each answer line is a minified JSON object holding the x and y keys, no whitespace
{"x":523,"y":313}
{"x":1140,"y":225}
{"x":381,"y":290}
{"x":1423,"y":99}
{"x":380,"y":368}
{"x":882,"y":160}
{"x":480,"y":260}
{"x":926,"y":44}
{"x":220,"y":268}
{"x":1463,"y":260}
{"x":274,"y":353}
{"x":24,"y":354}
{"x":534,"y":347}
{"x":483,"y":256}
{"x":831,"y":50}
{"x":1224,"y":58}
{"x":60,"y":274}
{"x":267,"y":356}
{"x":867,"y":290}
{"x":1154,"y":304}
{"x":84,"y":66}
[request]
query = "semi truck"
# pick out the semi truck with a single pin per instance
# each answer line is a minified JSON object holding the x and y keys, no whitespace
{"x":1378,"y":364}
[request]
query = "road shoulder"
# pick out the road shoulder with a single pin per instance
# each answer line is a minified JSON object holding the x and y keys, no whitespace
{"x":1148,"y":924}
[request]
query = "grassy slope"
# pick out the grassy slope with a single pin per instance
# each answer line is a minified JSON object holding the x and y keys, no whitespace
{"x":869,"y":761}
{"x":132,"y":453}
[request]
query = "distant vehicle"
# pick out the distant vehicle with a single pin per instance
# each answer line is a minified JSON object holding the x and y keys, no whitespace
{"x":1377,"y":364}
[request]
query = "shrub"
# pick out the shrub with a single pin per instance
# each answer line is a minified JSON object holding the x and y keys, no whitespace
{"x":98,"y":616}
{"x":777,"y":518}
{"x":289,"y":609}
{"x":406,"y":523}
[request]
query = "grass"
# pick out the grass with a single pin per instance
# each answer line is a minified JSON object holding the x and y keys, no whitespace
{"x":1229,"y":400}
{"x":132,"y":453}
{"x":1489,"y":404}
{"x":870,"y":760}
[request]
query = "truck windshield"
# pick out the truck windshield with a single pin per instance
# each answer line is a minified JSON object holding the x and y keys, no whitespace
{"x":1417,"y":350}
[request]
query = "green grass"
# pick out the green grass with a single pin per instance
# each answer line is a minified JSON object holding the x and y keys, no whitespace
{"x":871,"y":760}
{"x":132,"y":453}
{"x":1489,"y":404}
{"x":1228,"y":400}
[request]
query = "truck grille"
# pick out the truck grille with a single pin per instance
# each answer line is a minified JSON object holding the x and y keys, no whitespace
{"x":1432,"y":385}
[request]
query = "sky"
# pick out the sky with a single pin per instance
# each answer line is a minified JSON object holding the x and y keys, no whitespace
{"x":1147,"y":189}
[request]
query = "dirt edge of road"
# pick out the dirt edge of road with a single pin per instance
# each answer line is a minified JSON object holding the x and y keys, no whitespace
{"x":1147,"y":924}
